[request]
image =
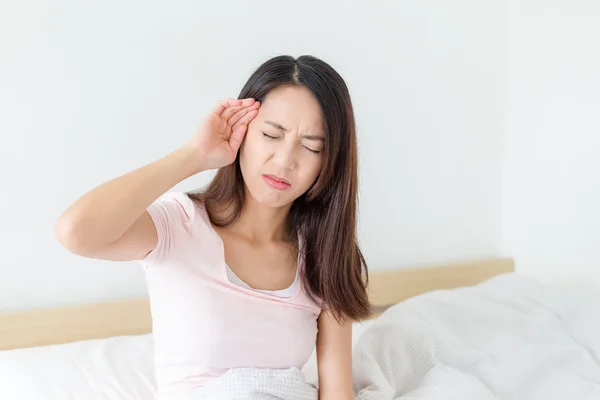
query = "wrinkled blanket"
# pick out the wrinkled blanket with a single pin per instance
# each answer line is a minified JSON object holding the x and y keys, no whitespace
{"x":510,"y":338}
{"x":258,"y":384}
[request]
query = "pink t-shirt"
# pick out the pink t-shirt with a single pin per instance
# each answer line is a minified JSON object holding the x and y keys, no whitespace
{"x":203,"y":324}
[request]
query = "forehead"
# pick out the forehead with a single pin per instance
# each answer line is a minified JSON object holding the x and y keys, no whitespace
{"x":295,"y":108}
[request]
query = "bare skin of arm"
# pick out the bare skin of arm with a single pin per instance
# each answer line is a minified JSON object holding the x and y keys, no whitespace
{"x":334,"y":358}
{"x":111,"y":222}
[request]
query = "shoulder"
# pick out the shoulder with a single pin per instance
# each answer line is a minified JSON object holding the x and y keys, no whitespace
{"x":179,"y":221}
{"x":177,"y":207}
{"x":175,"y":214}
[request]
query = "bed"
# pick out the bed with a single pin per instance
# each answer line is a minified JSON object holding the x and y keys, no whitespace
{"x":469,"y":330}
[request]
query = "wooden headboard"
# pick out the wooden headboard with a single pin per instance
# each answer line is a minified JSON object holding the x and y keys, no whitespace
{"x":132,"y":317}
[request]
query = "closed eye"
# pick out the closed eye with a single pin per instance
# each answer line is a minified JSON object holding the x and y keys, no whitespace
{"x":312,"y":151}
{"x":269,"y":136}
{"x":275,"y":138}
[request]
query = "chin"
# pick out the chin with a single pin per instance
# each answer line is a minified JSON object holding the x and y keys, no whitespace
{"x":269,"y":197}
{"x":274,"y":200}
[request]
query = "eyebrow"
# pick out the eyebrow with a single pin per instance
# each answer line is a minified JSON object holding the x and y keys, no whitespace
{"x":281,"y":128}
{"x":276,"y":125}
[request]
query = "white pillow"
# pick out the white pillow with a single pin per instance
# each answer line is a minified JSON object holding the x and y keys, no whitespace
{"x":115,"y":368}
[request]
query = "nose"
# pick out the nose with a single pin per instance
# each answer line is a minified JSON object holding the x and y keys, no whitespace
{"x":285,"y":156}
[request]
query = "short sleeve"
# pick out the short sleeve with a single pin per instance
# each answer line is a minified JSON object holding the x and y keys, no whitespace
{"x":171,"y":215}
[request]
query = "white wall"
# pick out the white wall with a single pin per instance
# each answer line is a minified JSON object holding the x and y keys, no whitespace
{"x":91,"y":90}
{"x":552,"y":170}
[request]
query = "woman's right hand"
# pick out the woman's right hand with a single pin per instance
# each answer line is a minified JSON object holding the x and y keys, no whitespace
{"x":218,"y":138}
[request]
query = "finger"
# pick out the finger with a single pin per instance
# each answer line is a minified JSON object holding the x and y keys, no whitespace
{"x":248,"y":102}
{"x":223,"y":104}
{"x":237,"y":136}
{"x":240,"y":113}
{"x":244,"y":121}
{"x":230,"y":111}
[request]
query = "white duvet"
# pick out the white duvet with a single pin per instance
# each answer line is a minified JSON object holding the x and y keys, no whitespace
{"x":509,"y":338}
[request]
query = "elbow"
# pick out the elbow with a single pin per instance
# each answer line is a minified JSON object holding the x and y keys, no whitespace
{"x":69,"y":234}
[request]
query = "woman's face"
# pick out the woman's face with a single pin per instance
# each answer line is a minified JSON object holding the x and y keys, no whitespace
{"x":282,"y":153}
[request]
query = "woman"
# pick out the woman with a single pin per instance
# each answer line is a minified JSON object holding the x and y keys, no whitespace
{"x":262,"y":264}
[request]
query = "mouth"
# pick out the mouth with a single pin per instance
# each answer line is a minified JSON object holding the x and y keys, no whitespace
{"x":276,"y":182}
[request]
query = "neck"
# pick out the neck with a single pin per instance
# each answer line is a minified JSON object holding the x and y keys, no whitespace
{"x":261,"y":223}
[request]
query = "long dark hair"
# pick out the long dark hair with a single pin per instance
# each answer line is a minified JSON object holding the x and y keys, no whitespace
{"x":335,"y":270}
